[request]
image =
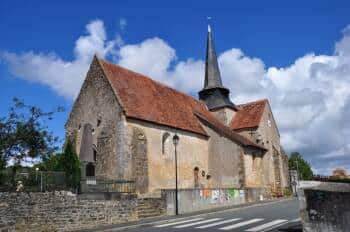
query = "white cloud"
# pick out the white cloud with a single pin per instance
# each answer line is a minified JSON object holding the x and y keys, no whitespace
{"x":310,"y":98}
{"x":65,"y":77}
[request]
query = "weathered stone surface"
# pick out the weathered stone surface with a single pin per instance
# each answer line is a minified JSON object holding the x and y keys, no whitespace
{"x":226,"y":165}
{"x":192,"y":151}
{"x":98,"y":106}
{"x":140,"y":160}
{"x":274,"y":173}
{"x":63,"y":211}
{"x":151,"y":207}
{"x":324,"y":206}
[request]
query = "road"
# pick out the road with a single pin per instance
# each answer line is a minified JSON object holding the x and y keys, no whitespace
{"x":268,"y":217}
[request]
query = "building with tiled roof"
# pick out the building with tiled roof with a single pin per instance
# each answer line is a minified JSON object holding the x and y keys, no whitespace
{"x":124,"y":125}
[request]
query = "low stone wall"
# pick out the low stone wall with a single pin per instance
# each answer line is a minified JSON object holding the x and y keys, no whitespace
{"x":151,"y":207}
{"x":63,"y":211}
{"x":324,"y":206}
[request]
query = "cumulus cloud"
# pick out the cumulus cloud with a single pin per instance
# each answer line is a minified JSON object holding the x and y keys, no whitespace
{"x":65,"y":77}
{"x":310,"y":98}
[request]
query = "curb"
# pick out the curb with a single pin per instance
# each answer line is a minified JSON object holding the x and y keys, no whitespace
{"x":173,"y":218}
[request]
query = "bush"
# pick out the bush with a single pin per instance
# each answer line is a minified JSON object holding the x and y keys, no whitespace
{"x":287,"y":192}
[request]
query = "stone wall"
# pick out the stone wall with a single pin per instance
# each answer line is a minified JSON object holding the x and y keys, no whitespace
{"x":139,"y":160}
{"x":98,"y":106}
{"x":225,"y":115}
{"x":267,"y":134}
{"x":63,"y":211}
{"x":253,"y":168}
{"x":324,"y":206}
{"x":192,"y":151}
{"x":226,"y":159}
{"x":151,"y":207}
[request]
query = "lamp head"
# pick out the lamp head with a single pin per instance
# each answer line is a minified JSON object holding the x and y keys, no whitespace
{"x":176,"y":139}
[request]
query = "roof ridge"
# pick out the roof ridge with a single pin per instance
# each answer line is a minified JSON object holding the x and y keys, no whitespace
{"x":252,"y":102}
{"x":157,"y":82}
{"x":229,"y":131}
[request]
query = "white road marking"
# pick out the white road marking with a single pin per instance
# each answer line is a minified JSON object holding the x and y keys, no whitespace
{"x":178,"y":222}
{"x":241,"y":224}
{"x":197,"y":223}
{"x":266,"y":225}
{"x":218,"y":223}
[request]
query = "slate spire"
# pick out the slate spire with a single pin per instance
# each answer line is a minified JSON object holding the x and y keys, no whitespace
{"x":212,"y":72}
{"x":214,"y":94}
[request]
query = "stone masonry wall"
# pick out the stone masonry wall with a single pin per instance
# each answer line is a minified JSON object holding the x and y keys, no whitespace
{"x":192,"y":151}
{"x":225,"y":162}
{"x":139,"y":159}
{"x":151,"y":207}
{"x":98,"y":106}
{"x":324,"y":206}
{"x":63,"y":211}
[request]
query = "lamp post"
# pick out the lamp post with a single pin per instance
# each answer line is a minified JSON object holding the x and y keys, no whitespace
{"x":176,"y":141}
{"x":36,"y":174}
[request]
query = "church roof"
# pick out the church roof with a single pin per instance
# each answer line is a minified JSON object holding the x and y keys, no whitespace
{"x":249,"y":115}
{"x":145,"y":99}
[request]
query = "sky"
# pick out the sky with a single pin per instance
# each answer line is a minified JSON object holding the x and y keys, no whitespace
{"x":294,"y":53}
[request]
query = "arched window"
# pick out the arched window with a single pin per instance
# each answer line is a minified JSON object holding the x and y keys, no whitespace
{"x":166,"y":143}
{"x":196,"y":177}
{"x":90,"y":170}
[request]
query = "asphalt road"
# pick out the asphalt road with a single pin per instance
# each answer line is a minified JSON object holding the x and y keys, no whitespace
{"x":257,"y":218}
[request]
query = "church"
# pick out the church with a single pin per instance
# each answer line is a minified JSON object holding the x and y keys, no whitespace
{"x":126,"y":126}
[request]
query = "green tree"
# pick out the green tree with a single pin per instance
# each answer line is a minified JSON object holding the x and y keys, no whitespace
{"x":296,"y":162}
{"x":23,"y":135}
{"x":54,"y":162}
{"x":71,"y":165}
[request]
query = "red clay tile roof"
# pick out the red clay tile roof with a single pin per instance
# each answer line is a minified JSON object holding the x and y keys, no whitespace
{"x":145,"y":99}
{"x":221,"y":128}
{"x":249,"y":115}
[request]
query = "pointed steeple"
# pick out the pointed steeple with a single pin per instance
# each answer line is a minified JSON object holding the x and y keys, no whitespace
{"x":212,"y":72}
{"x":214,"y":94}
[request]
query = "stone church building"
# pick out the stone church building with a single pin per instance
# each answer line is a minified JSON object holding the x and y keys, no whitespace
{"x":123,"y":124}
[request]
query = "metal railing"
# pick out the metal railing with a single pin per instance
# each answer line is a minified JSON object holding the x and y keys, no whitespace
{"x":93,"y":185}
{"x":32,"y":181}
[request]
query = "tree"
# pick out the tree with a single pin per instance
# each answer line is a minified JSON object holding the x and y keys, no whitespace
{"x":23,"y":135}
{"x":71,"y":165}
{"x":54,"y":162}
{"x":296,"y":162}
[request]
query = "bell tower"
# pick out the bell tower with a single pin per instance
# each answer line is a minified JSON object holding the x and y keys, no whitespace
{"x":214,"y":94}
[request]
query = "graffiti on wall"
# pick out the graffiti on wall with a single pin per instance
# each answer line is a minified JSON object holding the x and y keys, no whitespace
{"x":221,"y":195}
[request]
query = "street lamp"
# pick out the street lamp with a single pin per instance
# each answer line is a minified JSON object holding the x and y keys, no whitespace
{"x":175,"y":142}
{"x":36,"y":174}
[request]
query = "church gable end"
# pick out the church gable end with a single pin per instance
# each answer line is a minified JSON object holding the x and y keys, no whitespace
{"x":98,"y":109}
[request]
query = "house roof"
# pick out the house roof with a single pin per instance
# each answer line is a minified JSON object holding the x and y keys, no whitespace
{"x":249,"y":115}
{"x":145,"y":99}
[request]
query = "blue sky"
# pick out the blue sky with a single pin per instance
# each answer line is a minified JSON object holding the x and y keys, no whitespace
{"x":268,"y":42}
